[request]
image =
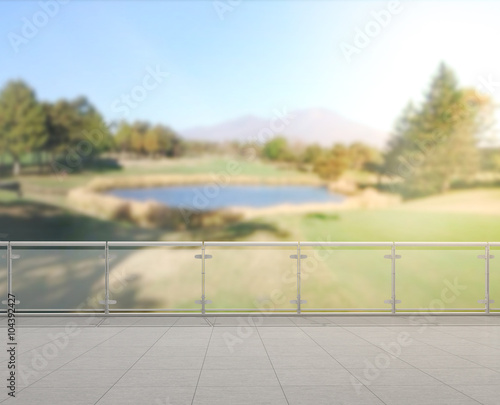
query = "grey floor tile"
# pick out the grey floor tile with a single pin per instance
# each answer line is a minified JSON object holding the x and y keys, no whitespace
{"x":330,"y":395}
{"x":446,"y":361}
{"x":177,"y":351}
{"x":79,"y":378}
{"x":119,"y":321}
{"x":157,"y":321}
{"x":59,"y":396}
{"x":159,"y":378}
{"x":465,"y":376}
{"x":238,"y":378}
{"x":237,"y":350}
{"x":313,"y":376}
{"x":148,"y":395}
{"x":194,"y":321}
{"x":358,"y":350}
{"x":303,"y":351}
{"x":169,"y":363}
{"x":485,"y":361}
{"x":263,"y":395}
{"x":301,"y":362}
{"x":419,"y":395}
{"x":485,"y":394}
{"x":382,"y":360}
{"x":100,"y":363}
{"x":405,"y":376}
{"x":236,"y":363}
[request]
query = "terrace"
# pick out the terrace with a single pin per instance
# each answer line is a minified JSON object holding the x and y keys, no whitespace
{"x":252,"y":323}
{"x":387,"y":359}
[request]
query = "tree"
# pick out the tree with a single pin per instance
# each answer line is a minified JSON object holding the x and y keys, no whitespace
{"x":437,"y":143}
{"x":312,"y":153}
{"x":77,"y":131}
{"x":362,"y":156}
{"x":22,"y":122}
{"x":277,"y":149}
{"x":333,"y":164}
{"x":123,"y":137}
{"x":139,"y":130}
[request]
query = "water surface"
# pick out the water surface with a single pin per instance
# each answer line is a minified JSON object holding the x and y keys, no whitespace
{"x":211,"y":196}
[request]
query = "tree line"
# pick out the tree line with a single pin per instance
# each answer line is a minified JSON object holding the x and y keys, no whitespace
{"x":433,"y":145}
{"x":67,"y":134}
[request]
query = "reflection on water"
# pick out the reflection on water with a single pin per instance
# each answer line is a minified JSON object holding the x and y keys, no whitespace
{"x":209,"y":197}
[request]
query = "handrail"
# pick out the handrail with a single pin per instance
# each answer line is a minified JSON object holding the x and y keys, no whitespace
{"x":346,"y":244}
{"x":448,"y":244}
{"x":60,"y":243}
{"x":166,"y":243}
{"x":250,"y":244}
{"x":242,"y":243}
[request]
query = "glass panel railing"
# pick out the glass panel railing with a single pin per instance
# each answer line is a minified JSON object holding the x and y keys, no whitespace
{"x":345,"y":277}
{"x":495,"y":278}
{"x":251,"y":277}
{"x":158,"y":278}
{"x":58,"y":278}
{"x":440,"y":278}
{"x":3,"y":275}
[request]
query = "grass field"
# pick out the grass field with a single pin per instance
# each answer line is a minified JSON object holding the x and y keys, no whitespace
{"x":251,"y":278}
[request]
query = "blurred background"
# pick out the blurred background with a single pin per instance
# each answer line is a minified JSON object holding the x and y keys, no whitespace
{"x":249,"y":120}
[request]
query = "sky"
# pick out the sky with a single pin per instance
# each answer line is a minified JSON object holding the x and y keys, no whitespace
{"x":196,"y":63}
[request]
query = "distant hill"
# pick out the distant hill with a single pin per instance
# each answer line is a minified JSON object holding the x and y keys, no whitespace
{"x":311,"y":125}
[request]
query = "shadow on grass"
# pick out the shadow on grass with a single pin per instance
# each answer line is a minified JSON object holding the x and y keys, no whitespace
{"x":22,"y":220}
{"x":240,"y":230}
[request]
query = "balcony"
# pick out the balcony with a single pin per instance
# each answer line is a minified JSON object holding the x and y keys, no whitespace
{"x":167,"y":323}
{"x":177,"y":360}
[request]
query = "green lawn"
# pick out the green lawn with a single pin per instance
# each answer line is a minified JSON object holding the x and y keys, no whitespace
{"x":339,"y":278}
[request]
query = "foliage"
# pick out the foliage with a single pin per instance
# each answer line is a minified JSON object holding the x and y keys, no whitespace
{"x":277,"y":149}
{"x":334,"y":163}
{"x":436,"y":144}
{"x":22,"y":122}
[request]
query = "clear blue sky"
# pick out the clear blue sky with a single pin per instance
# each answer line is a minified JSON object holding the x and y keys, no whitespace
{"x":262,"y":55}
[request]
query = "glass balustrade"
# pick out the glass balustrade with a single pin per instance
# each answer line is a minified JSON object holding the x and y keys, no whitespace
{"x":440,"y":278}
{"x":58,"y":278}
{"x":250,"y":276}
{"x":159,"y":277}
{"x":254,"y":277}
{"x":345,"y":277}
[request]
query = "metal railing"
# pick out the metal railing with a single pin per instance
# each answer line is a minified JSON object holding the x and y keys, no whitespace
{"x":320,"y":278}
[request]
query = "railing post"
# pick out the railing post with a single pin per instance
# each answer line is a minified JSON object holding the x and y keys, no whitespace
{"x":298,"y":278}
{"x":9,"y":268}
{"x":393,"y":256}
{"x":298,"y":257}
{"x":487,"y":279}
{"x":203,"y":257}
{"x":393,"y":278}
{"x":203,"y":278}
{"x":106,"y":279}
{"x":9,"y":258}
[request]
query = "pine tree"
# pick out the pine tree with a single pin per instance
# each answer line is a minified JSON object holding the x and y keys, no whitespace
{"x":437,"y":144}
{"x":22,"y":122}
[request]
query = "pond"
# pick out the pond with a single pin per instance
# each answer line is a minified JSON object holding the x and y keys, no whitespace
{"x":211,"y":197}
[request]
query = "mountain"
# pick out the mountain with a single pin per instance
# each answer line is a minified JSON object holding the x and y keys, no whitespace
{"x":319,"y":125}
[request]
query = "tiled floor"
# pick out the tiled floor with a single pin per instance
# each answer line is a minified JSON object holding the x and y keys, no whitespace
{"x":315,"y":360}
